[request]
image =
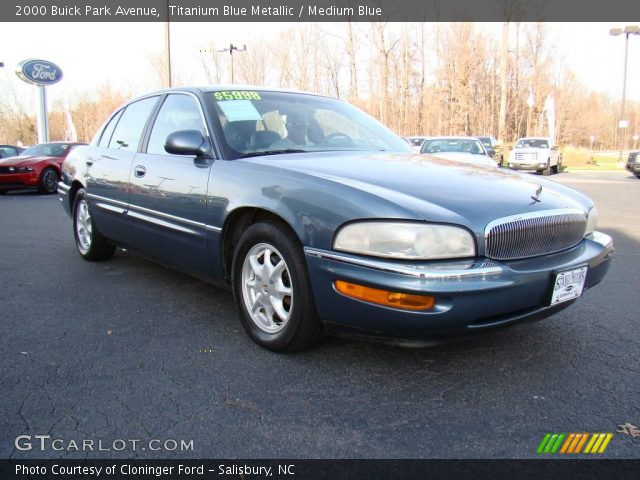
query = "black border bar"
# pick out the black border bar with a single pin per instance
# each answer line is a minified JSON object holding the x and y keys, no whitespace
{"x":627,"y":11}
{"x":323,"y":469}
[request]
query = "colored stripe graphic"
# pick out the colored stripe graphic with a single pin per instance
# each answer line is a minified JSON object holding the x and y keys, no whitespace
{"x":574,"y":443}
{"x":598,"y":443}
{"x":543,"y":443}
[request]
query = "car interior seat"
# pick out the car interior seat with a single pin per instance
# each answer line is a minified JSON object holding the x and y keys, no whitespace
{"x":263,"y":139}
{"x":239,"y":133}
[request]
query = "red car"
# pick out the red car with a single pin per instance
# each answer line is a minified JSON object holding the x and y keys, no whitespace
{"x":37,"y":167}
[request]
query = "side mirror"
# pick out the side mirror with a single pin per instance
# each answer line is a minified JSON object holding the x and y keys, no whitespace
{"x":187,"y":142}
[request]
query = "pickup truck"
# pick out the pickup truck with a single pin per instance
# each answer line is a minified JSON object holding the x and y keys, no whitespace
{"x":535,"y":154}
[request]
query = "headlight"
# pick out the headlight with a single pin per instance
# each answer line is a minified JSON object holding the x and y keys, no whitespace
{"x":24,"y":169}
{"x":592,"y":221}
{"x":410,"y":241}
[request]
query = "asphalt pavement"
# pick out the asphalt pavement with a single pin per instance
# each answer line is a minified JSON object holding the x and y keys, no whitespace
{"x":128,"y":350}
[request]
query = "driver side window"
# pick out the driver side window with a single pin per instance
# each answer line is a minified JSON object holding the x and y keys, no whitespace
{"x":178,"y":112}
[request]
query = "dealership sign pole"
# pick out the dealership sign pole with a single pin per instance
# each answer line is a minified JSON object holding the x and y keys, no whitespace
{"x":40,"y":73}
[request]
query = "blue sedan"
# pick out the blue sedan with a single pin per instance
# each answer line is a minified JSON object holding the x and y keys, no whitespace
{"x":321,"y":220}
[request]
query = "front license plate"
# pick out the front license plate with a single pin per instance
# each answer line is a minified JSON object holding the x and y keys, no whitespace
{"x":568,"y":285}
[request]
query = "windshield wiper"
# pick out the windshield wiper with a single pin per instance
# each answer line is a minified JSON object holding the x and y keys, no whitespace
{"x":272,"y":152}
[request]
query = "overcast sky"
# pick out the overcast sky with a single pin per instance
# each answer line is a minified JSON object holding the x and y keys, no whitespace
{"x":94,"y":53}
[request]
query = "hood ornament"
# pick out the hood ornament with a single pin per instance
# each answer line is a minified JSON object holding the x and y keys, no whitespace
{"x":536,"y":197}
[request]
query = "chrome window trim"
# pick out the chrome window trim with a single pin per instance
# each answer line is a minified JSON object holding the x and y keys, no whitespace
{"x":430,"y":272}
{"x":531,"y":215}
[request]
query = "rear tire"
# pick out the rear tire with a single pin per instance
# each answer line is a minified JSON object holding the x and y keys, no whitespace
{"x":91,"y":244}
{"x":272,"y":290}
{"x":49,"y":181}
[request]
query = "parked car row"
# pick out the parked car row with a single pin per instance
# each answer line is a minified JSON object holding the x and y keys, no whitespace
{"x":535,"y":154}
{"x":320,"y":219}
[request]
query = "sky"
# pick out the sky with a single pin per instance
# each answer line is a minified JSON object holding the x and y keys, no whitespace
{"x":117,"y":53}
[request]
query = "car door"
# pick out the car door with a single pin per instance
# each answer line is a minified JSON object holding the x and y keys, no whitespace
{"x":109,"y":165}
{"x":168,"y":197}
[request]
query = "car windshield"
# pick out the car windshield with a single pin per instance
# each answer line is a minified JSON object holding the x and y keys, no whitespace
{"x":46,"y":150}
{"x":8,"y":152}
{"x":261,"y":123}
{"x":486,"y":141}
{"x":532,"y":143}
{"x":416,"y":142}
{"x":464,"y":145}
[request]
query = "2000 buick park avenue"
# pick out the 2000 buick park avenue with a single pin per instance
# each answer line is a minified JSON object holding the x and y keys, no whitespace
{"x":322,"y":220}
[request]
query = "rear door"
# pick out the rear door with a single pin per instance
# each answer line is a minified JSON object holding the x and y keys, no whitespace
{"x":168,"y":198}
{"x":108,"y":167}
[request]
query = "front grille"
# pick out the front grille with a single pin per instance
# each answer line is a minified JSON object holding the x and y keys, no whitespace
{"x":7,"y":170}
{"x":527,"y":157}
{"x":531,"y":235}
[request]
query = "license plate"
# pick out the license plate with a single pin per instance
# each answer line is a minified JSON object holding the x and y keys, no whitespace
{"x":568,"y":285}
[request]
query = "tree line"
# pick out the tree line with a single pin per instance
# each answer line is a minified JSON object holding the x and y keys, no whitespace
{"x":417,"y":78}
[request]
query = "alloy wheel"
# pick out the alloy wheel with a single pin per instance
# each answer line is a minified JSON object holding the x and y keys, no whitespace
{"x":267,"y":290}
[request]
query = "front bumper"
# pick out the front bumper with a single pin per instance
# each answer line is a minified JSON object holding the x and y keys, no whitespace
{"x":633,"y":167}
{"x":531,"y":167}
{"x":470,"y":295}
{"x":18,"y":181}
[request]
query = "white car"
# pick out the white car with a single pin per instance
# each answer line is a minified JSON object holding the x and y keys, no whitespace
{"x":416,"y":142}
{"x":535,"y":154}
{"x":460,"y":149}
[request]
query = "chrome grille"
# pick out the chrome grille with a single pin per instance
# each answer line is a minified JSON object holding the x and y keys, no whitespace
{"x":534,"y":234}
{"x":527,"y":157}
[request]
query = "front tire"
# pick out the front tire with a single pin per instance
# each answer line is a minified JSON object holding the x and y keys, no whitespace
{"x":91,"y":244}
{"x":272,"y":290}
{"x":49,"y":181}
{"x":547,"y":171}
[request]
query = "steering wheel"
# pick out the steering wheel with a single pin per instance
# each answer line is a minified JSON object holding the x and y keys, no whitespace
{"x":336,"y":139}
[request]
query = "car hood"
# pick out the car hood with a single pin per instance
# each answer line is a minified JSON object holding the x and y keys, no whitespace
{"x":466,"y":158}
{"x":434,"y":189}
{"x":23,"y":161}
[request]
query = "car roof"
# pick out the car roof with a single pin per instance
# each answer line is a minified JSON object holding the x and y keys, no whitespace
{"x":220,"y":88}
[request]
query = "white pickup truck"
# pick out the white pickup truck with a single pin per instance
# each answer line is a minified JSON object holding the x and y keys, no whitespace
{"x":535,"y":153}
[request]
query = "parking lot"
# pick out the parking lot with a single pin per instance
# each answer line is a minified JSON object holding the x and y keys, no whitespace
{"x":129,"y":349}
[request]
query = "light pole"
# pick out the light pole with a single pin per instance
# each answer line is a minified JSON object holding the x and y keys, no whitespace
{"x":232,"y":48}
{"x":167,"y":47}
{"x":628,"y":30}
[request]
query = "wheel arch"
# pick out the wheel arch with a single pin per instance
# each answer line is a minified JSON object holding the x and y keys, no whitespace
{"x":237,"y":222}
{"x":75,"y":186}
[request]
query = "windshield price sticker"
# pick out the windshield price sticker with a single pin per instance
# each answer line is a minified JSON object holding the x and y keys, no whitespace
{"x":237,"y":95}
{"x":568,"y":285}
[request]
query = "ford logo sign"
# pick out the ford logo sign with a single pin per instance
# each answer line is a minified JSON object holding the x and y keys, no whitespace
{"x":39,"y":72}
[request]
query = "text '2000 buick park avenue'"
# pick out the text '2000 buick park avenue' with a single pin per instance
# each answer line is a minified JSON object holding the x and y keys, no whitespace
{"x":322,"y":220}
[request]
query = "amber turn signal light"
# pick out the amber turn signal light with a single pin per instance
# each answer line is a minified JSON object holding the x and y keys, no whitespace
{"x":405,"y":301}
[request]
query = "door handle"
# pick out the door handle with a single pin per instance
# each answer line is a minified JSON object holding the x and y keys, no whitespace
{"x":139,"y":171}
